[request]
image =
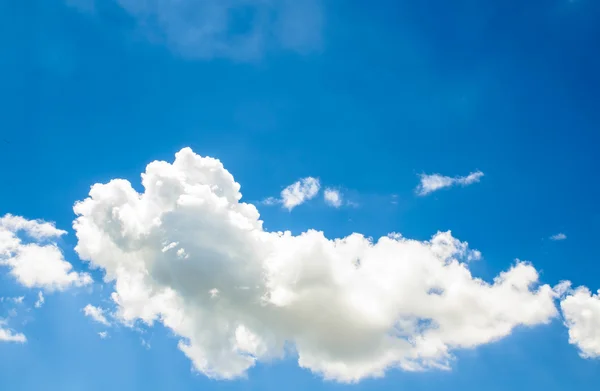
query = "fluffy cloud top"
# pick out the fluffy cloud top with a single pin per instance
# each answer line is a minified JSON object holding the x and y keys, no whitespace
{"x":33,"y":258}
{"x":96,"y":313}
{"x":333,"y":197}
{"x":581,"y":311}
{"x":434,"y":182}
{"x":237,"y":29}
{"x":188,"y":253}
{"x":558,"y":236}
{"x":297,"y":193}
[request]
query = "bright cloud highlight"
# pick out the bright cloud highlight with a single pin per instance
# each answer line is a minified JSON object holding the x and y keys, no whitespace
{"x":581,"y":312}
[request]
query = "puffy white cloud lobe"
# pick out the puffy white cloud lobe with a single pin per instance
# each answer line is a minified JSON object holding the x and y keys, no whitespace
{"x":186,"y":252}
{"x":581,"y":312}
{"x":28,"y":248}
{"x":40,"y":301}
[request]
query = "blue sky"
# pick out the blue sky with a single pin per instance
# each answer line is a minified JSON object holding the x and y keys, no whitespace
{"x":367,"y":100}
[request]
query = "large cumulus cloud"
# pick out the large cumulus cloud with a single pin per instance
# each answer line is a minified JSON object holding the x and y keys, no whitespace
{"x":188,"y":253}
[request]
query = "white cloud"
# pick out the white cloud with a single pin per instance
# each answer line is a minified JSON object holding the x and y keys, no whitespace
{"x":103,"y":334}
{"x":434,"y":182}
{"x":558,"y":236}
{"x":37,"y":229}
{"x":7,"y":335}
{"x":16,"y":300}
{"x":34,"y":259}
{"x":562,"y":288}
{"x":40,"y":301}
{"x":333,"y":197}
{"x":581,"y":312}
{"x":242,"y":30}
{"x":96,"y":313}
{"x":352,"y":308}
{"x":297,"y":193}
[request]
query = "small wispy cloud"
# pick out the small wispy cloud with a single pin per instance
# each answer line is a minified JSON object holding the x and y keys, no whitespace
{"x":145,"y":343}
{"x":333,"y":197}
{"x":103,"y":334}
{"x":558,"y":236}
{"x":40,"y":301}
{"x":434,"y":182}
{"x":96,"y":313}
{"x":561,"y":289}
{"x":297,"y":193}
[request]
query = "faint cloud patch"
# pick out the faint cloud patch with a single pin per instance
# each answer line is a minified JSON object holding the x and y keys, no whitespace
{"x":243,"y":30}
{"x":29,"y":249}
{"x":559,"y":236}
{"x":40,"y":301}
{"x":15,"y":300}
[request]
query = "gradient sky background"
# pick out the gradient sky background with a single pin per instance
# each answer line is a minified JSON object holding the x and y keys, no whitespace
{"x":364,"y":96}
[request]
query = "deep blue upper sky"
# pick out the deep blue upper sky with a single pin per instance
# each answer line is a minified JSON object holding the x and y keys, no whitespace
{"x":387,"y":93}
